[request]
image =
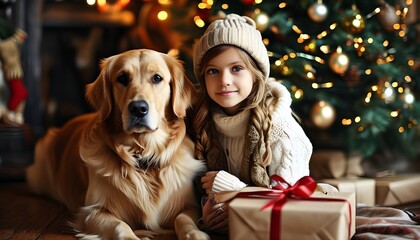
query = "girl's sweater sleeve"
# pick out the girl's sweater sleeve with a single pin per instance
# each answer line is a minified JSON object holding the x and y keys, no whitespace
{"x":291,"y":148}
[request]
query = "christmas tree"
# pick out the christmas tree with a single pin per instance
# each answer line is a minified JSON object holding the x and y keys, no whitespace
{"x":352,"y":66}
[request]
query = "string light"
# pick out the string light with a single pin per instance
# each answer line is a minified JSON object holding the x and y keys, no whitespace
{"x":368,"y":97}
{"x":394,"y":114}
{"x":376,"y":11}
{"x":322,"y":85}
{"x":162,"y":15}
{"x":401,"y":129}
{"x":199,"y":22}
{"x":346,"y":122}
{"x":297,"y":92}
{"x":282,"y":5}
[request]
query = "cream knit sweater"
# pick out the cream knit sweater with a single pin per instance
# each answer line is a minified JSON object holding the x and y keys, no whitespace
{"x":291,"y":148}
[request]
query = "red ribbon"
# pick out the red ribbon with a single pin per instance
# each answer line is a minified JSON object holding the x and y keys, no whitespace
{"x":280,"y":192}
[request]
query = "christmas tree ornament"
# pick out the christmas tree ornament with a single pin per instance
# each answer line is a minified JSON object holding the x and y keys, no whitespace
{"x":318,"y":12}
{"x":323,"y":114}
{"x":339,"y":61}
{"x":388,"y":17}
{"x":352,"y":21}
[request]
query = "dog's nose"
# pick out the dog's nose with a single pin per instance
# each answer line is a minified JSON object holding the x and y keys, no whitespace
{"x":138,"y":108}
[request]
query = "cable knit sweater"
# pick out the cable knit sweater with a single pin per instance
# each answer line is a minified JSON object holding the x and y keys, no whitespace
{"x":291,"y":148}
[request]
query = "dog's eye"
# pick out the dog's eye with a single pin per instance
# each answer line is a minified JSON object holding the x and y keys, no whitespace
{"x":157,"y":78}
{"x":123,"y":79}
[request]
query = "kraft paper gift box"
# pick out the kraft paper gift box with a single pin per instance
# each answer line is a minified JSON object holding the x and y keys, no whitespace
{"x":364,"y":188}
{"x":335,"y":164}
{"x":300,"y":219}
{"x":327,"y":164}
{"x":398,"y":189}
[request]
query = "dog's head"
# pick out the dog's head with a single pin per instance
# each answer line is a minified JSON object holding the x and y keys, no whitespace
{"x":140,"y":88}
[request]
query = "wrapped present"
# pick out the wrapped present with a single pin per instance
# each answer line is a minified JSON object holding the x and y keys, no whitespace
{"x":335,"y":164}
{"x":364,"y":188}
{"x":397,"y":189}
{"x":327,"y":164}
{"x":292,"y":213}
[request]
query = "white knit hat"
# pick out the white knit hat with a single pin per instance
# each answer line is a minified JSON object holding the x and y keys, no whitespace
{"x":234,"y":30}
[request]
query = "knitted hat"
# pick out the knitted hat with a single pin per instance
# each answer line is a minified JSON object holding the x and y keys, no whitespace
{"x":234,"y":30}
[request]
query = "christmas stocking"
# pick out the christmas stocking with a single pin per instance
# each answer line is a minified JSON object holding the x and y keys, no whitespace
{"x":12,"y":69}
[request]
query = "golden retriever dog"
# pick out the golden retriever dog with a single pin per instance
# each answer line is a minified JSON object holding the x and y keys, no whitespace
{"x":127,"y":169}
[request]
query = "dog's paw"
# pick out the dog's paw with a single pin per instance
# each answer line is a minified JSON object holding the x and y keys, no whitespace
{"x":197,"y":235}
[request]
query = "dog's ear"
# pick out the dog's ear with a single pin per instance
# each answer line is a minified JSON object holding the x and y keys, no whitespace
{"x":183,"y":91}
{"x":98,"y":93}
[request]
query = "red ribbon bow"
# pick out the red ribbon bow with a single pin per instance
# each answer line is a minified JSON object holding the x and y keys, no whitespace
{"x":302,"y":189}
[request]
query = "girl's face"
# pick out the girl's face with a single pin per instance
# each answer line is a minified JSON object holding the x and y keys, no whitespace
{"x":228,"y":81}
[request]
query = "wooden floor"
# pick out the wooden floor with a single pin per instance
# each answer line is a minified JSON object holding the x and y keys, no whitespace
{"x":26,"y":216}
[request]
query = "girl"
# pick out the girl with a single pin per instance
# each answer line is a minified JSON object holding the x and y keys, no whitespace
{"x":245,"y":129}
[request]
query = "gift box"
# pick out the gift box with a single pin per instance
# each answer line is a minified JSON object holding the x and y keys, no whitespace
{"x":327,"y":217}
{"x":327,"y":164}
{"x":334,"y":164}
{"x":397,"y":189}
{"x":364,"y":188}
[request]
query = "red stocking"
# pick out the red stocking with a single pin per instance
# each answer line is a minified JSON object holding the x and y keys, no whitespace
{"x":18,"y":93}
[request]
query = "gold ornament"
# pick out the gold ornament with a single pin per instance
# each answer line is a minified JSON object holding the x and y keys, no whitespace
{"x":388,"y":17}
{"x":339,"y":61}
{"x":318,"y":11}
{"x":353,"y":21}
{"x":323,"y":114}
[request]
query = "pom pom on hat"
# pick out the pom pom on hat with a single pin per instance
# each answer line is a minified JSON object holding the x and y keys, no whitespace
{"x":234,"y":30}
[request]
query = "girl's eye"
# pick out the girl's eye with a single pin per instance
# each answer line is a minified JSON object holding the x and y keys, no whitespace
{"x":237,"y":68}
{"x":211,"y":71}
{"x":123,"y":79}
{"x":157,"y":78}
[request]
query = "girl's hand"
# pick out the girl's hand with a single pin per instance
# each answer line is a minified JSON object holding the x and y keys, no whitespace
{"x":208,"y":180}
{"x":215,"y":216}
